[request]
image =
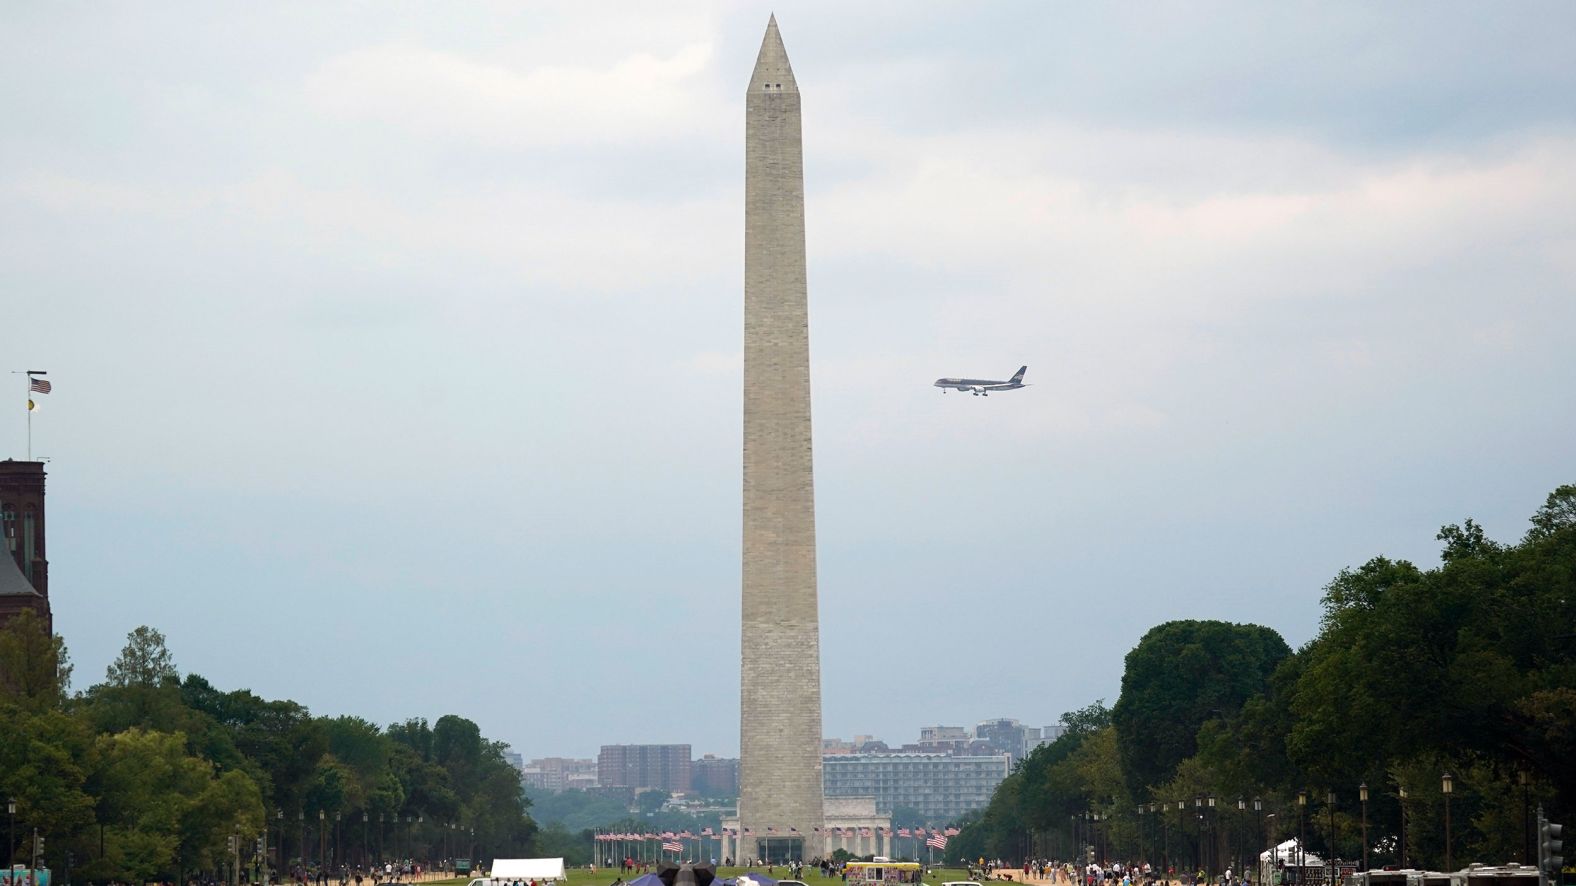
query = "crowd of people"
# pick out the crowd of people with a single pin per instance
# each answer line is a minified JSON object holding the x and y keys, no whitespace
{"x":1093,"y":874}
{"x":389,"y":872}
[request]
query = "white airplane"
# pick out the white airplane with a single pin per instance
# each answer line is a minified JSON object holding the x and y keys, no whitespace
{"x":983,"y":386}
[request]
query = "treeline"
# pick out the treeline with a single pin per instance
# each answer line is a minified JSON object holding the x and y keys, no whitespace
{"x":148,"y":775}
{"x":1466,"y":669}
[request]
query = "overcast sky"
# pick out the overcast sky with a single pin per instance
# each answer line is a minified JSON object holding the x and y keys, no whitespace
{"x":396,"y":347}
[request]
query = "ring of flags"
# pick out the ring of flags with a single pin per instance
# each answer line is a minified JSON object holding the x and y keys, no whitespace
{"x":672,"y":842}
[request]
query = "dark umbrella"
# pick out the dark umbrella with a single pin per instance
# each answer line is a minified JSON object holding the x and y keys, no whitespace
{"x":671,"y":874}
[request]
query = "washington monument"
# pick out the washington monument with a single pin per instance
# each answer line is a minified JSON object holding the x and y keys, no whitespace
{"x":780,"y":794}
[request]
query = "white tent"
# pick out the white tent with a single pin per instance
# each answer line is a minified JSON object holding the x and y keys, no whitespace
{"x":527,"y":869}
{"x":1285,"y":852}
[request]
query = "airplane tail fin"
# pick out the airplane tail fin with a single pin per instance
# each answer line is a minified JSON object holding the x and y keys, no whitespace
{"x":1017,"y":377}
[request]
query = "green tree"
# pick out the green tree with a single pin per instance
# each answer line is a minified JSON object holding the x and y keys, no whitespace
{"x":650,"y":801}
{"x":145,"y":661}
{"x":44,"y":760}
{"x":1180,"y":675}
{"x":35,"y":669}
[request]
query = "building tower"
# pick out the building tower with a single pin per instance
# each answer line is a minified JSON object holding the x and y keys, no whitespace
{"x":780,"y":795}
{"x":24,"y":570}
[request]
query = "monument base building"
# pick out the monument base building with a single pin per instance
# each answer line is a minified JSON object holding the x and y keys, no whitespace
{"x":851,"y":824}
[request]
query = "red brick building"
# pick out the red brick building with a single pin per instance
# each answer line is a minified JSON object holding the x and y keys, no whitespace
{"x":24,"y":572}
{"x":662,"y":766}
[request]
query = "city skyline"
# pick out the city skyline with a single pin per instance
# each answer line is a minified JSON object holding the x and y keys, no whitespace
{"x":386,"y":331}
{"x":1037,"y":735}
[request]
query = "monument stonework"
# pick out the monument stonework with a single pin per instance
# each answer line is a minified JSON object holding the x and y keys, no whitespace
{"x":780,"y":791}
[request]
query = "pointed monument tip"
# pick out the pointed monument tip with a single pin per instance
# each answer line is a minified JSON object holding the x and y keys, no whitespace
{"x":772,"y":71}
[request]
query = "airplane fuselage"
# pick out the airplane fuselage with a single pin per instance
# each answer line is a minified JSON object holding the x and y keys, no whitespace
{"x":979,"y":386}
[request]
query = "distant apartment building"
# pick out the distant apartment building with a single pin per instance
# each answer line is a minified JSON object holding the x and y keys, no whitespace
{"x":941,"y":787}
{"x":862,"y":744}
{"x":943,"y":734}
{"x":514,"y":759}
{"x":713,"y":776}
{"x":557,"y":774}
{"x":1008,"y":736}
{"x":637,"y":766}
{"x":1049,"y":734}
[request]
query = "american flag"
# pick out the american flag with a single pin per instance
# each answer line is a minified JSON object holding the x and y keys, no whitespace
{"x":952,"y":832}
{"x":865,"y":832}
{"x":39,"y":386}
{"x":793,"y":830}
{"x":938,"y":841}
{"x":746,"y":832}
{"x":903,"y":832}
{"x":770,"y":829}
{"x":673,"y":846}
{"x":706,"y":832}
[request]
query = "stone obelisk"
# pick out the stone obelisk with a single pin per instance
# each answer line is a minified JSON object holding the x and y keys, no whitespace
{"x":780,"y":793}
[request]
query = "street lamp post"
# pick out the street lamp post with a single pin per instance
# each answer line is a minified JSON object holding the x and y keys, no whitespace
{"x":1198,"y":814}
{"x":279,"y":849}
{"x":1258,"y":811}
{"x":1447,"y":786}
{"x":1181,"y":826}
{"x":1211,"y":848}
{"x":1144,"y":842}
{"x":1526,"y":817}
{"x":1212,"y":841}
{"x":1155,"y":828}
{"x":1242,"y":807}
{"x":1165,"y":838}
{"x":322,"y":838}
{"x":1269,"y":835}
{"x":1099,"y":839}
{"x":1362,"y":794}
{"x":1401,"y":796}
{"x":1085,"y":840}
{"x":301,"y":820}
{"x":1329,"y":802}
{"x":1302,"y":852}
{"x":10,"y":846}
